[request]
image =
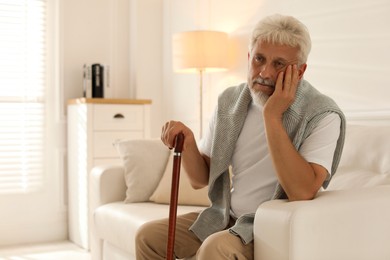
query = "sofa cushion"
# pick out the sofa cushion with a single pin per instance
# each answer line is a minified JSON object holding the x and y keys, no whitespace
{"x":187,"y":194}
{"x":144,"y":162}
{"x":118,"y":222}
{"x":365,"y":161}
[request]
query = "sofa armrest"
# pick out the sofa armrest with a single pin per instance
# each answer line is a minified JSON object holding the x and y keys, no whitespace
{"x":344,"y":224}
{"x":107,"y":185}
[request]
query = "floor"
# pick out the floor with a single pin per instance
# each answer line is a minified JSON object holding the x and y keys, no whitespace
{"x":64,"y":250}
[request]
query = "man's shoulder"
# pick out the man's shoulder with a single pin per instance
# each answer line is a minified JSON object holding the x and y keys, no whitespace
{"x":234,"y":90}
{"x":311,"y":99}
{"x":233,"y":93}
{"x":234,"y":100}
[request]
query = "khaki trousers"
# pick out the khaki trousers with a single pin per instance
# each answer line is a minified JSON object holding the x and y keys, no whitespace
{"x":151,"y":242}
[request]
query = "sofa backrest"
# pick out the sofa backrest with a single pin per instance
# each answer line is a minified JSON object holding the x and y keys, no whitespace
{"x":365,"y":161}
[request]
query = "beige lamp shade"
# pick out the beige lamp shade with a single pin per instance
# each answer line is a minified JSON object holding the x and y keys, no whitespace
{"x":195,"y":51}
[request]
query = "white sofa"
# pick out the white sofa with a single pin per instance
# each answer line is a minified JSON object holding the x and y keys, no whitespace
{"x":348,"y":221}
{"x":114,"y":221}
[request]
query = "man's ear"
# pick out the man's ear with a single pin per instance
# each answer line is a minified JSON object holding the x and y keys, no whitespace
{"x":301,"y":70}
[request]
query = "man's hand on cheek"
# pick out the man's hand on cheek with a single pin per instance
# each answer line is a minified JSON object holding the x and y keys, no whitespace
{"x":284,"y":94}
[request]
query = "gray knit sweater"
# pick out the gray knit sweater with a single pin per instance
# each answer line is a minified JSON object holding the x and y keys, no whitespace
{"x":308,"y":109}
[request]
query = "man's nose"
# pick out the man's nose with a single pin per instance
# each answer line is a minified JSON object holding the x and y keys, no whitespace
{"x":266,"y":71}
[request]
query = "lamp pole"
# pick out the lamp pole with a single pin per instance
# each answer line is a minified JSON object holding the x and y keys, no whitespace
{"x":201,"y":102}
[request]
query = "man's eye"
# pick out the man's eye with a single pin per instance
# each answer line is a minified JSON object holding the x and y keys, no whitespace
{"x":279,"y":64}
{"x":259,"y":59}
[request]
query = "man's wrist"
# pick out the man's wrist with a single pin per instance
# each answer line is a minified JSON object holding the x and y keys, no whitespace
{"x":272,"y":119}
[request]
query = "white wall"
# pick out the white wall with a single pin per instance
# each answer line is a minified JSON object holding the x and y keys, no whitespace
{"x":127,"y":35}
{"x":95,"y":32}
{"x":349,"y":58}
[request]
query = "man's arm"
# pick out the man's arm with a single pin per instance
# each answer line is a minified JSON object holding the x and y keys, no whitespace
{"x":196,"y":164}
{"x":300,"y":179}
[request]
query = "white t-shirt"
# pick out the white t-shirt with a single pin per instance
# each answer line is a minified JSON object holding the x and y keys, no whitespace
{"x":254,"y":178}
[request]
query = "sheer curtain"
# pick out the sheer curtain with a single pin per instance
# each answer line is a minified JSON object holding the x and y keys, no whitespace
{"x":22,"y":95}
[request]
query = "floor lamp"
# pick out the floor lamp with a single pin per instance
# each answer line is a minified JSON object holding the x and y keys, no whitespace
{"x":200,"y":52}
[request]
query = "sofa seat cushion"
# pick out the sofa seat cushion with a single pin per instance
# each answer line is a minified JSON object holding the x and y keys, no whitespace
{"x":118,"y":222}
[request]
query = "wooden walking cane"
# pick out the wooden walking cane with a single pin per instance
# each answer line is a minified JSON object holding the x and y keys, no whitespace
{"x":174,"y":195}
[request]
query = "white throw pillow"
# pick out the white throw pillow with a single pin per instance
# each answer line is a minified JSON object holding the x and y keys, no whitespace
{"x":144,"y":162}
{"x":187,"y":194}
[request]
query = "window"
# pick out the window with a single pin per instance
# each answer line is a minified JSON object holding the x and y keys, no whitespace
{"x":22,"y":94}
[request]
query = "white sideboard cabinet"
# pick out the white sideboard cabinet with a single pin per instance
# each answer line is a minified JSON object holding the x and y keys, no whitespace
{"x":93,"y":125}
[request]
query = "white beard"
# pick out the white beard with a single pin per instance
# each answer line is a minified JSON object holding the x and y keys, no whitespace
{"x":259,"y":98}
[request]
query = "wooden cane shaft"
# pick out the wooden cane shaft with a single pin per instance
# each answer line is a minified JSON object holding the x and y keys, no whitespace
{"x":173,"y":207}
{"x":174,"y":196}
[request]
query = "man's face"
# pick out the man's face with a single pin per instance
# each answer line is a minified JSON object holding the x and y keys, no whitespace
{"x":266,"y":61}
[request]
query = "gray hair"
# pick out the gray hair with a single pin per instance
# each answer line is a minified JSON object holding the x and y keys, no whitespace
{"x":283,"y":30}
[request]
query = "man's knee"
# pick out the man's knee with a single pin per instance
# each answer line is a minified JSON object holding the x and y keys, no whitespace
{"x":148,"y":234}
{"x":213,"y":245}
{"x":150,"y":241}
{"x":224,"y":245}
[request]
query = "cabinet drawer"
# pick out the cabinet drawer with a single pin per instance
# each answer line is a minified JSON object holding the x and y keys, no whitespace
{"x":118,"y":117}
{"x":103,"y":142}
